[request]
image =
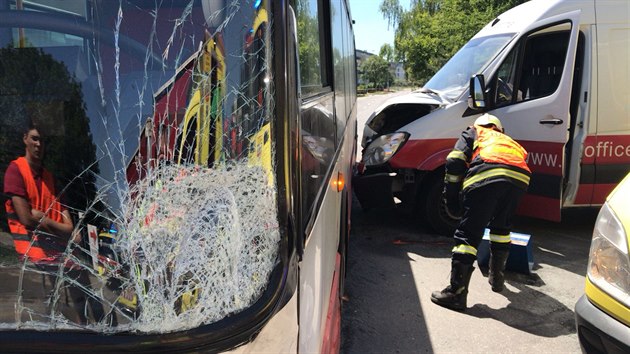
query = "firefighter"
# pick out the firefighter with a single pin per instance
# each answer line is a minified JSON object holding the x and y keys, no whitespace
{"x":488,"y":170}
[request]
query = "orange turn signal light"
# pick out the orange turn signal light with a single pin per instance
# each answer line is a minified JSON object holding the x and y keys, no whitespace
{"x":339,"y":183}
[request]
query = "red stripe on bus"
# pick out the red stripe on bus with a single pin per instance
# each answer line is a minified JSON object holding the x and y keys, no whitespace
{"x":331,"y":342}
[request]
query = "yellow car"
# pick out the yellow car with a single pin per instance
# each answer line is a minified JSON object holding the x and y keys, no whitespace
{"x":602,"y":314}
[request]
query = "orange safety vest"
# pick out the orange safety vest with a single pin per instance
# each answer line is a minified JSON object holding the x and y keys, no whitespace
{"x":36,"y":248}
{"x":495,"y":147}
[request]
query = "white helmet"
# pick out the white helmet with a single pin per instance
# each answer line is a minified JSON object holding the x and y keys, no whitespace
{"x":488,"y":119}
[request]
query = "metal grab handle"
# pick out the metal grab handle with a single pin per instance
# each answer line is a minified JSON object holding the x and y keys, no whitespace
{"x":552,"y":121}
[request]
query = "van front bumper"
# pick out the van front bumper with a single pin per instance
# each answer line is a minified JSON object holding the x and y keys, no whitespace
{"x":374,"y":190}
{"x":598,"y":332}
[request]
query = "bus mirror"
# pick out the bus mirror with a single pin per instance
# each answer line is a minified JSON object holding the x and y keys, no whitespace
{"x":477,"y":98}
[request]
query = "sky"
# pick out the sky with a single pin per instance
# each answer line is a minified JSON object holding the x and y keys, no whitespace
{"x":370,"y":27}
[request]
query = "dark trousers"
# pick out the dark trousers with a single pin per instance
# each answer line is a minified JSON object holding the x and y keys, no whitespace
{"x":79,"y":301}
{"x":492,"y":206}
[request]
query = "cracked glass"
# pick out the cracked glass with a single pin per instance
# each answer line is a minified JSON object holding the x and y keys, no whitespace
{"x":136,"y":158}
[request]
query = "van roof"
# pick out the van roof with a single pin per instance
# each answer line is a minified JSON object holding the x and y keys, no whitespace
{"x":516,"y":19}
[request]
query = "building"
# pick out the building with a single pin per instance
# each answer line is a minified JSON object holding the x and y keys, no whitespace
{"x":398,"y":71}
{"x":361,"y":56}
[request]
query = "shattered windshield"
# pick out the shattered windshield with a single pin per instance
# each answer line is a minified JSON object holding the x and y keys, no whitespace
{"x":453,"y":78}
{"x":136,"y":161}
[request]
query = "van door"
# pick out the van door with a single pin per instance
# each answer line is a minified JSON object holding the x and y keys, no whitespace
{"x":531,"y":94}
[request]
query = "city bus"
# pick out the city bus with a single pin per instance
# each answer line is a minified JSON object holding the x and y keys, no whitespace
{"x":203,"y":149}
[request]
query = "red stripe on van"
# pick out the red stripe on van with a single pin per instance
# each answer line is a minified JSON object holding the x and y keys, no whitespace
{"x":540,"y":207}
{"x":606,"y":149}
{"x":601,"y":191}
{"x":544,"y":157}
{"x":595,"y":194}
{"x":331,"y":341}
{"x":584,"y":194}
{"x":425,"y":154}
{"x":429,"y":154}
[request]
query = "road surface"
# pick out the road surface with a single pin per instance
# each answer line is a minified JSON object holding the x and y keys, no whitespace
{"x":395,"y":262}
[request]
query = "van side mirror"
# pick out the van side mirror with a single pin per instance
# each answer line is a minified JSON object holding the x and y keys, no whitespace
{"x":477,"y":99}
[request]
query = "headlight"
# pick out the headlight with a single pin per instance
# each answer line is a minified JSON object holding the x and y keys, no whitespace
{"x":319,"y":147}
{"x":381,"y":149}
{"x":608,"y":262}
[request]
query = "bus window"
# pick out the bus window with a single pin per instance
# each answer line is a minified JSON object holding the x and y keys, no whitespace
{"x":189,"y":142}
{"x":309,"y":15}
{"x":177,"y":154}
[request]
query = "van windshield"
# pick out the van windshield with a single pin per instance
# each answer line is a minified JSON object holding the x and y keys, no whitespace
{"x":452,"y":79}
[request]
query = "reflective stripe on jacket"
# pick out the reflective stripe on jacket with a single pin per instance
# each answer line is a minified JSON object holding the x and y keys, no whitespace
{"x":37,"y":248}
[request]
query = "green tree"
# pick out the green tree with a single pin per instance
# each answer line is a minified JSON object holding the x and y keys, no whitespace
{"x":308,"y":41}
{"x":387,"y":53}
{"x":36,"y":87}
{"x":433,"y":30}
{"x":392,"y":12}
{"x":376,"y":71}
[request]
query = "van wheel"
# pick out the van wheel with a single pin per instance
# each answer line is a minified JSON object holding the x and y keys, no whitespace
{"x":434,"y":208}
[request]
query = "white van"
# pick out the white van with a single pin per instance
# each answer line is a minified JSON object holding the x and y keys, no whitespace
{"x":555,"y":72}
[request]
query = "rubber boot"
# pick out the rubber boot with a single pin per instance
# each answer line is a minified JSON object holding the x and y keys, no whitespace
{"x":496,"y":275}
{"x":454,"y":296}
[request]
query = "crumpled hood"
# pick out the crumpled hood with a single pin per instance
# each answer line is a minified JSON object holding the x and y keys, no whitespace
{"x":399,"y":111}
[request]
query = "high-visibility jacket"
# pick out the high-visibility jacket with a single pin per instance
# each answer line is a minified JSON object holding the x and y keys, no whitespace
{"x":484,"y":155}
{"x":37,"y":248}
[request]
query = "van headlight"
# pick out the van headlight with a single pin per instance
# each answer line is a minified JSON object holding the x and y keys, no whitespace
{"x":608,"y":262}
{"x":381,"y":149}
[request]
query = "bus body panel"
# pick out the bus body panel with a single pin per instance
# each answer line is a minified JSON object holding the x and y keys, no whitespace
{"x":316,"y":273}
{"x":280,"y":334}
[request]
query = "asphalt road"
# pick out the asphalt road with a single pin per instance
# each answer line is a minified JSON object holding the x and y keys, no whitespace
{"x":395,"y":262}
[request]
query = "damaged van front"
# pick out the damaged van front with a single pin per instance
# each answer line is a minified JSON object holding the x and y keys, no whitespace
{"x":406,"y":139}
{"x":379,"y":182}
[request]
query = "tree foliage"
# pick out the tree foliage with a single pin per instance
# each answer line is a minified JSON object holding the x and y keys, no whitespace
{"x":36,"y":87}
{"x":433,"y":30}
{"x":308,"y":39}
{"x":392,"y":12}
{"x":375,"y":70}
{"x":387,"y":53}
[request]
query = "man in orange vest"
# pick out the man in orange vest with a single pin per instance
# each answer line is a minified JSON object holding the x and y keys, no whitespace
{"x":489,"y":170}
{"x":41,"y":227}
{"x":33,"y":206}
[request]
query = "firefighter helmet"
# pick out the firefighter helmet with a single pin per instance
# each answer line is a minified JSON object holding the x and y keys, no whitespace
{"x":488,"y":119}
